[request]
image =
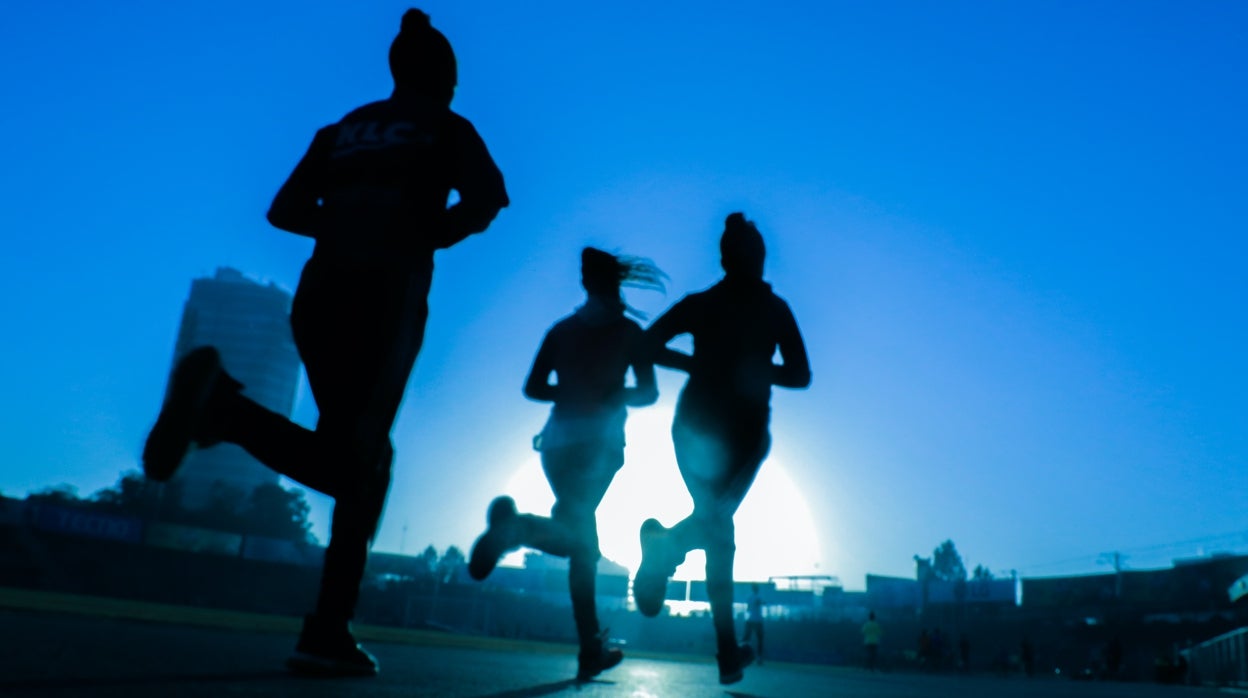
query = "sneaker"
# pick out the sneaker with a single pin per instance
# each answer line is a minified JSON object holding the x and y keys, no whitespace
{"x":657,"y":565}
{"x":184,"y":414}
{"x":592,"y":662}
{"x":329,"y":649}
{"x":732,"y":667}
{"x":500,"y":538}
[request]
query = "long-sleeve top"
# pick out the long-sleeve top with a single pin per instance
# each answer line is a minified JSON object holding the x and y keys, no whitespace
{"x":736,"y":325}
{"x":590,"y":353}
{"x":374,"y":187}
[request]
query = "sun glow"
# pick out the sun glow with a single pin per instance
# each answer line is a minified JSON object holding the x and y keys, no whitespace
{"x":775,"y":531}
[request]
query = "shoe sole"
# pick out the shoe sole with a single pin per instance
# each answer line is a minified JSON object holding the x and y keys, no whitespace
{"x":650,"y":583}
{"x":490,"y":547}
{"x":486,"y":552}
{"x":189,"y":389}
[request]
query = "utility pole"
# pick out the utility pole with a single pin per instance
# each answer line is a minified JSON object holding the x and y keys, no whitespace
{"x":1115,"y":558}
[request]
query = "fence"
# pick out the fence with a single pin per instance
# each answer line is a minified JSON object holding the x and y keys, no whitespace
{"x":1221,"y":661}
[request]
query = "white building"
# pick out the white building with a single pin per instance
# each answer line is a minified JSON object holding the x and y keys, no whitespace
{"x":249,"y":323}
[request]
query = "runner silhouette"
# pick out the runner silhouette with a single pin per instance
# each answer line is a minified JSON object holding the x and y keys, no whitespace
{"x":372,"y":190}
{"x":582,"y":444}
{"x":720,"y":431}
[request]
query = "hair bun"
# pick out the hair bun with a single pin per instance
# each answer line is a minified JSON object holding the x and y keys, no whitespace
{"x":735,"y":221}
{"x":415,"y":20}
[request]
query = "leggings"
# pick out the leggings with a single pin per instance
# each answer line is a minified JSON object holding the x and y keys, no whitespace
{"x":579,"y":475}
{"x":718,"y":460}
{"x":358,"y":332}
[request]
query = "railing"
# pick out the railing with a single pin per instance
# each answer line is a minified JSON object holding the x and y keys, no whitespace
{"x":1221,"y":661}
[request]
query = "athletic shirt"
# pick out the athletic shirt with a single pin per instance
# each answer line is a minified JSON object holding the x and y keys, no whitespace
{"x":374,"y":187}
{"x":736,"y":326}
{"x":872,"y":633}
{"x":590,"y":351}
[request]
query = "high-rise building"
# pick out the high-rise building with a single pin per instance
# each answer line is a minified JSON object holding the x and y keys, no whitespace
{"x":249,"y":324}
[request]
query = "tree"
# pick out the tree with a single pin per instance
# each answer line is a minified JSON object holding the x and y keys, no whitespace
{"x":57,"y":494}
{"x":427,"y":562}
{"x":981,"y":574}
{"x":277,"y":512}
{"x":451,"y":561}
{"x":221,"y":512}
{"x":133,"y":494}
{"x":945,"y":564}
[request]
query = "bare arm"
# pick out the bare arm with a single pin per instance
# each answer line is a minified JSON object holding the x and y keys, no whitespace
{"x":676,"y":360}
{"x":297,"y":206}
{"x":794,"y":369}
{"x":538,"y":386}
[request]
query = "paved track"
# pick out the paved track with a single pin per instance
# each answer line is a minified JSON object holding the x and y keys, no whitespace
{"x":72,"y":652}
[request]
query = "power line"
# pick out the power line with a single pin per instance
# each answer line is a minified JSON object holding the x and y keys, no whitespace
{"x":1091,"y":560}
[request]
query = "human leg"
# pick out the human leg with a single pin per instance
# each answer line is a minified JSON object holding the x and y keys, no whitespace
{"x":579,"y":475}
{"x":205,"y":406}
{"x":718,"y":461}
{"x":664,"y":549}
{"x":186,"y":412}
{"x":508,"y":530}
{"x":359,"y":335}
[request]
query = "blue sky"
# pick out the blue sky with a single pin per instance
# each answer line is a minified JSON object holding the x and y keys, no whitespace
{"x":1012,"y":234}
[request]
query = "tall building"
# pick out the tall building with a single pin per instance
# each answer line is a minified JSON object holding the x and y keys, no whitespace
{"x":249,"y":323}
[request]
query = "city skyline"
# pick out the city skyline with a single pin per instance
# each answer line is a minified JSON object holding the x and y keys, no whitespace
{"x":1012,"y":236}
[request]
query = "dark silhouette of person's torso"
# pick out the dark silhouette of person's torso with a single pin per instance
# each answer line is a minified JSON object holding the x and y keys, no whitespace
{"x":373,"y":188}
{"x":735,"y":326}
{"x":593,"y":349}
{"x":392,"y":165}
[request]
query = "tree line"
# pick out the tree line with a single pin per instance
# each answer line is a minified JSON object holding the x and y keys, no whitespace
{"x":268,"y":510}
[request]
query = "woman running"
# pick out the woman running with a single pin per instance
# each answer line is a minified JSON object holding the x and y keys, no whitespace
{"x":582,"y":444}
{"x":720,"y":431}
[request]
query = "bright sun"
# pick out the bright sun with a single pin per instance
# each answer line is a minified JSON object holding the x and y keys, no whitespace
{"x":775,"y":531}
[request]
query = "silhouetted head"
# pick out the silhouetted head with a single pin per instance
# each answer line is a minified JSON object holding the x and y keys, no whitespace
{"x":741,"y":248}
{"x":421,"y":59}
{"x":871,"y":615}
{"x":754,"y":587}
{"x":602,"y":274}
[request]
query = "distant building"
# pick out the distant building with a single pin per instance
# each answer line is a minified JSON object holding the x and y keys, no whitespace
{"x":545,"y":577}
{"x":1193,"y":589}
{"x":249,"y":323}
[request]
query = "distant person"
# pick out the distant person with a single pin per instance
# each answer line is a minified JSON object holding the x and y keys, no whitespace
{"x":1027,"y":656}
{"x":925,"y":650}
{"x":754,"y":622}
{"x":964,"y":653}
{"x":372,"y":191}
{"x":872,"y":634}
{"x":1113,"y":656}
{"x":721,"y":428}
{"x":582,"y":444}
